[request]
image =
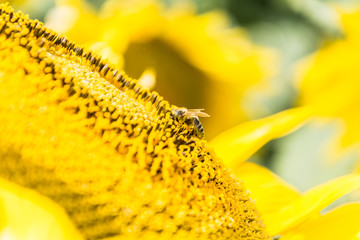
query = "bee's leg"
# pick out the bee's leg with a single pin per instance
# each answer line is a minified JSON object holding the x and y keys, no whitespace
{"x":190,"y":142}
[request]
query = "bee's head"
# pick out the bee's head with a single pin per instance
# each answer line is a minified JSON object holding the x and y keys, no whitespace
{"x":179,"y":113}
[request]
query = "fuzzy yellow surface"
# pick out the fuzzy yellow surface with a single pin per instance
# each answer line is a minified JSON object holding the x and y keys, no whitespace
{"x":110,"y":152}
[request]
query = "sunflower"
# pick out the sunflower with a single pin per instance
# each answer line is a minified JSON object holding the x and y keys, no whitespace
{"x":89,"y":153}
{"x":328,"y":80}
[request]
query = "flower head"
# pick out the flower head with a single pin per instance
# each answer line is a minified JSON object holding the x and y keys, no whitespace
{"x":79,"y":131}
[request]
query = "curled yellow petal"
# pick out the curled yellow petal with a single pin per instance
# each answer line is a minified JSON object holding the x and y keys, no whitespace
{"x":265,"y":188}
{"x":311,"y":203}
{"x":236,"y":145}
{"x":329,"y":226}
{"x":25,"y":214}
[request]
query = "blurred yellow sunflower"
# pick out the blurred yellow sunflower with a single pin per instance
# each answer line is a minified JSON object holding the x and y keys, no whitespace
{"x":200,"y":61}
{"x":328,"y":80}
{"x":124,"y":164}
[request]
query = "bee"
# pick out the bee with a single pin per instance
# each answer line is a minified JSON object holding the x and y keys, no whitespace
{"x":191,"y":118}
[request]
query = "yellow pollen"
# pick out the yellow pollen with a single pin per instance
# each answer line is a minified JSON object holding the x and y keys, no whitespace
{"x":109,"y":151}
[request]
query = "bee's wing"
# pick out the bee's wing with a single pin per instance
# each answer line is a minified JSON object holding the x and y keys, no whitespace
{"x":197,"y":112}
{"x":202,"y":114}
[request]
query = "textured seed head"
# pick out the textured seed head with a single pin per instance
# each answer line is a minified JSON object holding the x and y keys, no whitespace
{"x":84,"y":134}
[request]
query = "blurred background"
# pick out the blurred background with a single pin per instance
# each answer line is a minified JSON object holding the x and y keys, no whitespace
{"x":240,"y":60}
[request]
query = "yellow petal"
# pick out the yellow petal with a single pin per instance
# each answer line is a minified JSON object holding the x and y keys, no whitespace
{"x":236,"y":145}
{"x":25,"y":214}
{"x":265,"y":188}
{"x":311,"y":203}
{"x":330,"y":227}
{"x":212,"y":39}
{"x":107,"y":52}
{"x":148,"y":78}
{"x":332,"y":86}
{"x":80,"y":20}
